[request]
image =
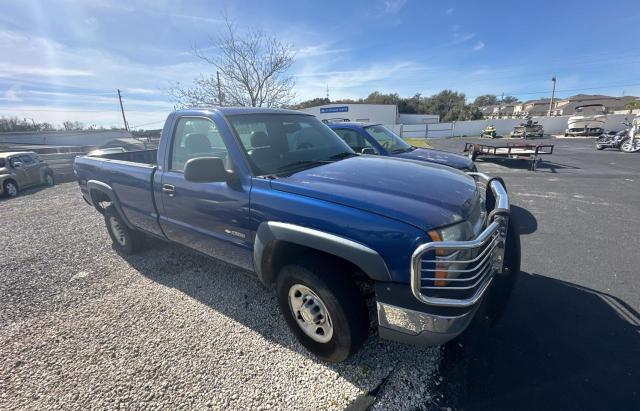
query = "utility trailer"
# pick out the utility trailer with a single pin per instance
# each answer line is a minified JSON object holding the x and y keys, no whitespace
{"x":524,"y":151}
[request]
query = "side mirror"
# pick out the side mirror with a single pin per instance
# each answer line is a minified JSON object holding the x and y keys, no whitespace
{"x":205,"y":170}
{"x":368,"y":150}
{"x":17,"y":164}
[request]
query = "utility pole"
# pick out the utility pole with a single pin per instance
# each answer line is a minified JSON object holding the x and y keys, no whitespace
{"x":126,"y":125}
{"x":328,"y":91}
{"x":220,"y":97}
{"x":500,"y":106}
{"x":553,"y":94}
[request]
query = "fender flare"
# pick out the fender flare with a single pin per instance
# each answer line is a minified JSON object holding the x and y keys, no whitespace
{"x":368,"y":260}
{"x":94,"y":185}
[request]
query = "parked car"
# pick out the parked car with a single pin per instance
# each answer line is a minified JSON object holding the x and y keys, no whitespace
{"x":19,"y":170}
{"x":278,"y":193}
{"x":377,"y":139}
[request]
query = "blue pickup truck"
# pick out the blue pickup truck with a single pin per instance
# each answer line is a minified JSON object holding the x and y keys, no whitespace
{"x":378,"y":139}
{"x":334,"y":233}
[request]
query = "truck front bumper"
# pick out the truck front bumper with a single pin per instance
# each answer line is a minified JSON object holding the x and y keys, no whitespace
{"x":416,"y":327}
{"x":449,"y":279}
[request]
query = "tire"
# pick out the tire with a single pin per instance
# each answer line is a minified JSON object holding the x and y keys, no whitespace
{"x":125,"y":240}
{"x":314,"y":286}
{"x":599,"y":147}
{"x":503,"y":283}
{"x":472,"y":154}
{"x":49,"y":180}
{"x":10,"y":188}
{"x":626,"y":145}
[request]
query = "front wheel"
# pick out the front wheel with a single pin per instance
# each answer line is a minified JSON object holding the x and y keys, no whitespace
{"x":630,"y":147}
{"x":323,"y":308}
{"x":599,"y":147}
{"x":503,"y":283}
{"x":10,"y":188}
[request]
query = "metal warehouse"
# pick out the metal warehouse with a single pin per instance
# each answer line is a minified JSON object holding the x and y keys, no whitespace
{"x":368,"y":113}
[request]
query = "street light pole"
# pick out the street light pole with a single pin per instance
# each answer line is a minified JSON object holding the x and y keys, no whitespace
{"x":553,"y":93}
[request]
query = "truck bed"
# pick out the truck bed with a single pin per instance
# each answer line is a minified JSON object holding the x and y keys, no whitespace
{"x":131,"y":176}
{"x":142,"y":156}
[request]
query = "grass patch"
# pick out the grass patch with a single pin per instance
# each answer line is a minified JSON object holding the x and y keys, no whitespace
{"x":418,"y":142}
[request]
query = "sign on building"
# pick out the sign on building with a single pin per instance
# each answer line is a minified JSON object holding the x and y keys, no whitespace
{"x":340,"y":109}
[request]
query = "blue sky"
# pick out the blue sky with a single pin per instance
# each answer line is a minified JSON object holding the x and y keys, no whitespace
{"x":64,"y":59}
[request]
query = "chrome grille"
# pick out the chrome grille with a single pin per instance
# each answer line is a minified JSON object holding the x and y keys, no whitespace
{"x":457,"y":273}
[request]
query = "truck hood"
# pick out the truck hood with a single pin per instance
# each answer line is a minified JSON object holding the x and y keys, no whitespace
{"x":424,"y":195}
{"x":438,"y":156}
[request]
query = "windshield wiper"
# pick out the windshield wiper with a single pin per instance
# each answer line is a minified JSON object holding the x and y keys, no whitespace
{"x":402,"y":150}
{"x":300,"y":164}
{"x":340,"y":156}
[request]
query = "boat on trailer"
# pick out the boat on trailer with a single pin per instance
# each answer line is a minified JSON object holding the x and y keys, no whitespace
{"x":588,"y":120}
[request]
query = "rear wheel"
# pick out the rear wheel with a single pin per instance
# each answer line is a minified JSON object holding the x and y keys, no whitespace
{"x":10,"y":188}
{"x":48,"y":179}
{"x":125,"y":240}
{"x":323,"y":308}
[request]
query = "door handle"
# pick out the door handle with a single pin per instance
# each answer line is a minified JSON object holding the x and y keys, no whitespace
{"x":169,"y":189}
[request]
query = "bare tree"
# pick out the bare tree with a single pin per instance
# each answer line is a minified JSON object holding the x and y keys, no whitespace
{"x":253,"y":70}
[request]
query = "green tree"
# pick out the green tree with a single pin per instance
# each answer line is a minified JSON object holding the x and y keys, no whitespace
{"x":485,"y":100}
{"x":632,"y":105}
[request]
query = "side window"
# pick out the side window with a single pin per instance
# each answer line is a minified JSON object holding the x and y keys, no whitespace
{"x":196,"y":137}
{"x":354,"y":139}
{"x":26,"y":159}
{"x":14,"y":160}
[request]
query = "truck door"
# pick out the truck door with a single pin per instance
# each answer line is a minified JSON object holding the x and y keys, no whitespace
{"x":209,"y":217}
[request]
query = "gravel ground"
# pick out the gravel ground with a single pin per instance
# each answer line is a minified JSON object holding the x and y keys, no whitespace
{"x":82,"y":327}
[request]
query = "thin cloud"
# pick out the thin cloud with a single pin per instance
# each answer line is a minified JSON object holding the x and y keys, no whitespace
{"x":11,"y":95}
{"x":392,"y":6}
{"x":458,"y":36}
{"x":318,"y":50}
{"x":479,"y":46}
{"x":449,"y":11}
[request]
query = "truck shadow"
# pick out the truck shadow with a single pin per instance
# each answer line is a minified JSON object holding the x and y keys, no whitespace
{"x":558,"y":346}
{"x":238,"y":295}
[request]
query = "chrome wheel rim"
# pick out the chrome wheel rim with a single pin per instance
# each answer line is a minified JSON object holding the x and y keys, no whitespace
{"x":12,"y":190}
{"x":118,"y":231}
{"x":310,"y":313}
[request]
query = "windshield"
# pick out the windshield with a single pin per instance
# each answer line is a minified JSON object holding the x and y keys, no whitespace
{"x":389,"y":141}
{"x":285,"y":143}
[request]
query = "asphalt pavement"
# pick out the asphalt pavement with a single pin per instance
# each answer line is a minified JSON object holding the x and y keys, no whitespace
{"x":570,"y":338}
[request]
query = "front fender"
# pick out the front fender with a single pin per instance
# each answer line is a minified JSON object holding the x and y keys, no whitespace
{"x":368,"y":260}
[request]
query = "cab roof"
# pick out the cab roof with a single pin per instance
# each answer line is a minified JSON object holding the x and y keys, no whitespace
{"x":230,"y":111}
{"x":13,"y":153}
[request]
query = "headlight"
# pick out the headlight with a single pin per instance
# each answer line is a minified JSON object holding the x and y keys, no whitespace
{"x":458,"y":232}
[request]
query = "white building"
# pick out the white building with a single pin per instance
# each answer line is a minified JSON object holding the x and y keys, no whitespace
{"x":368,"y":113}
